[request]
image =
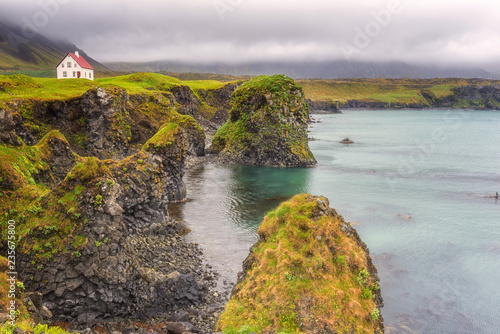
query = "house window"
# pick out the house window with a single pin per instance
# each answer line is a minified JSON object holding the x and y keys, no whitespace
{"x":69,"y":64}
{"x":62,"y":65}
{"x":75,"y":64}
{"x":74,"y":74}
{"x":65,"y":74}
{"x":90,"y":75}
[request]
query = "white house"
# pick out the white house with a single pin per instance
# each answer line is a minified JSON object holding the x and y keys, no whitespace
{"x":74,"y":66}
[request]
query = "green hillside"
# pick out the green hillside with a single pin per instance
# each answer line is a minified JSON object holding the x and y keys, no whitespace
{"x":384,"y":90}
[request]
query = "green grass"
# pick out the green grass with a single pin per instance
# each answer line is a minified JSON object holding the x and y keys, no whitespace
{"x":20,"y":86}
{"x":141,"y":82}
{"x":165,"y":137}
{"x":338,"y":90}
{"x":204,"y":84}
{"x":36,"y":329}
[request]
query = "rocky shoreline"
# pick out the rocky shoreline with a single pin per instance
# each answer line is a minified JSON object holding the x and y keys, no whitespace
{"x":97,"y":240}
{"x":89,"y":181}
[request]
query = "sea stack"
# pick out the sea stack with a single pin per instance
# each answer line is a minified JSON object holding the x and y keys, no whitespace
{"x":308,"y":273}
{"x":267,"y":125}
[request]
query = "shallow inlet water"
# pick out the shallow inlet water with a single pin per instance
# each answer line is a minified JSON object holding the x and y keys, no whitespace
{"x":417,"y":185}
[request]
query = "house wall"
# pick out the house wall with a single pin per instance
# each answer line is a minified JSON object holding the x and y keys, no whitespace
{"x":63,"y":67}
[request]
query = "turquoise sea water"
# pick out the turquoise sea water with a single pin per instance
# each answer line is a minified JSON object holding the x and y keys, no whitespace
{"x":417,"y":185}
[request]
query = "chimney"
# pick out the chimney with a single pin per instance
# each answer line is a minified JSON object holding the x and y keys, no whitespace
{"x":77,"y":54}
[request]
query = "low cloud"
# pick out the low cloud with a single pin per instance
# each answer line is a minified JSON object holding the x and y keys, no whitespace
{"x":448,"y":32}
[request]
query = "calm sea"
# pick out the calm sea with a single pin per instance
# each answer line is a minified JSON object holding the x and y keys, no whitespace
{"x":418,"y":186}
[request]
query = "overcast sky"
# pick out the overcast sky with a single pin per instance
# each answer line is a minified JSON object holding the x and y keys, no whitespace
{"x":414,"y":31}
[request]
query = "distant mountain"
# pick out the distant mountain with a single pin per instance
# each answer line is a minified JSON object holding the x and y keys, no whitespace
{"x":305,"y":70}
{"x":21,"y":51}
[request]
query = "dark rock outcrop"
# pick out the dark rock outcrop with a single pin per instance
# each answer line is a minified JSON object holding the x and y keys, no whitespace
{"x":58,"y":155}
{"x":220,"y":99}
{"x":189,"y":103}
{"x":472,"y":96}
{"x":34,"y":305}
{"x":267,"y":125}
{"x":99,"y":243}
{"x":12,"y":127}
{"x":107,"y":122}
{"x":323,"y":107}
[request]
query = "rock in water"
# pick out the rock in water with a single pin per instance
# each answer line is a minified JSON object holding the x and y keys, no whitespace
{"x":308,"y":273}
{"x":267,"y":125}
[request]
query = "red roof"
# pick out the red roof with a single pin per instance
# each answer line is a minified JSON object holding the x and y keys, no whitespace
{"x":81,"y":61}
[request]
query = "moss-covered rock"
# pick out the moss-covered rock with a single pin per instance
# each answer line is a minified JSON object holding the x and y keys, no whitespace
{"x":308,"y":273}
{"x":267,"y":125}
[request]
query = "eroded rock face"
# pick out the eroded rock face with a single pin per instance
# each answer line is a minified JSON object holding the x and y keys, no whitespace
{"x":188,"y":102}
{"x":107,"y":122}
{"x":267,"y":125}
{"x":58,"y":154}
{"x":12,"y":127}
{"x":219,"y":98}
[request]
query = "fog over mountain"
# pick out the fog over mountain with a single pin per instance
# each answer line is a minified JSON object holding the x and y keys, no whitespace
{"x":457,"y":36}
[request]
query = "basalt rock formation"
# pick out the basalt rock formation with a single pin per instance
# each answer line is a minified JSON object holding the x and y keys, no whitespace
{"x":100,"y":244}
{"x":267,"y":125}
